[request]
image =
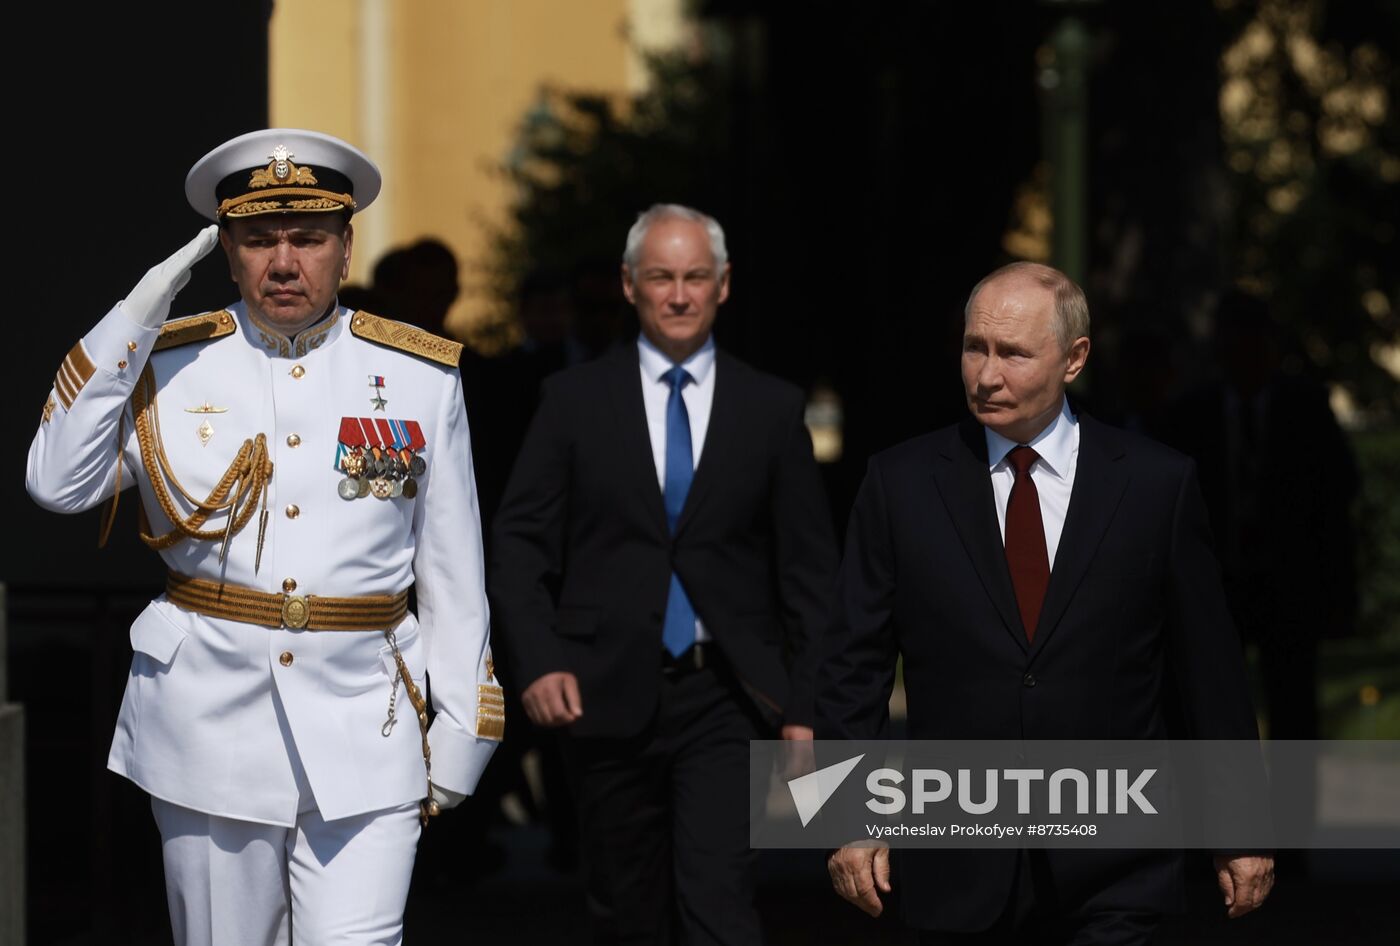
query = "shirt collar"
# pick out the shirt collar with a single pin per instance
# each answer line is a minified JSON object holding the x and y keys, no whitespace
{"x":273,"y":342}
{"x":655,"y":364}
{"x":1055,"y":444}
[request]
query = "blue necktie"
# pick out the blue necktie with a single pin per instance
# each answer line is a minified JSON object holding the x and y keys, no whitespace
{"x":678,"y":633}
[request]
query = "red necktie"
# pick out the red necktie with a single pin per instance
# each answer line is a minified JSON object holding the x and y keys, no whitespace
{"x":1025,"y":540}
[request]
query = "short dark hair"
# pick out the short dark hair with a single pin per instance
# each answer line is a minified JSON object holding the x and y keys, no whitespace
{"x":1071,"y":307}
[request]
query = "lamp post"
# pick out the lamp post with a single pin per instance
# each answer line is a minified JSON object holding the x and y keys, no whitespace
{"x":1064,"y":80}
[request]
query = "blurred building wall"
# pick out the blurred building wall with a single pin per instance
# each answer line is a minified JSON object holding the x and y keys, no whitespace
{"x":434,"y":91}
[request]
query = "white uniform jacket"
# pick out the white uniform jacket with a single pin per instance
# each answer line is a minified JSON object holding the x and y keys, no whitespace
{"x":215,"y":710}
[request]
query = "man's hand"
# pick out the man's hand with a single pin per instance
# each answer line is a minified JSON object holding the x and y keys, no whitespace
{"x":799,"y":758}
{"x":860,"y":873}
{"x":1245,"y":881}
{"x":553,"y":700}
{"x":149,"y":303}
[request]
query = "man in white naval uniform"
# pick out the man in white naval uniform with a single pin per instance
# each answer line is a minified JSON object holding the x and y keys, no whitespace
{"x":300,"y":466}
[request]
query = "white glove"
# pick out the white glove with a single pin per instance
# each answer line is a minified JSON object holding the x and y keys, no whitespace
{"x":445,"y":797}
{"x":149,"y":303}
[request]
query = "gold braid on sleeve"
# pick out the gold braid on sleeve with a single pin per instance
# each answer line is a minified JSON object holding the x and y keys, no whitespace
{"x":243,"y":484}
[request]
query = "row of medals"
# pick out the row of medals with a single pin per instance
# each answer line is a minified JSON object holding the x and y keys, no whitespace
{"x":380,"y":473}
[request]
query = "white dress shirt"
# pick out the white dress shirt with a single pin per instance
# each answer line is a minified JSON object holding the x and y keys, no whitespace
{"x":1053,"y":473}
{"x":698,"y":395}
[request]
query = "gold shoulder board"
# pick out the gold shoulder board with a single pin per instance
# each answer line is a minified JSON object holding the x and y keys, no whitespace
{"x":196,"y":328}
{"x":415,"y":341}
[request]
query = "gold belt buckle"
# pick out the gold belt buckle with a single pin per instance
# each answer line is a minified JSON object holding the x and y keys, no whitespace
{"x":296,"y":611}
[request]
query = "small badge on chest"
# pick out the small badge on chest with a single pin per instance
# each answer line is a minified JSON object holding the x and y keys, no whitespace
{"x":205,"y":431}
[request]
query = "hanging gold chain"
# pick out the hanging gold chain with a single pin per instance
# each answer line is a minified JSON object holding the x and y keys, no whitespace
{"x":429,"y":807}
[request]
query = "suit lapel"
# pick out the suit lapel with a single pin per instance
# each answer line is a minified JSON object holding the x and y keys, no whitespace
{"x":966,"y":488}
{"x":636,"y":457}
{"x":724,"y":418}
{"x":1099,"y":482}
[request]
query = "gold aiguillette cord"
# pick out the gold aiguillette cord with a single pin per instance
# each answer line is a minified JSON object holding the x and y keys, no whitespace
{"x":238,"y":491}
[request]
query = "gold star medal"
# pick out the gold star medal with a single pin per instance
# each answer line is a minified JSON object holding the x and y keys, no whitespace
{"x":376,"y":381}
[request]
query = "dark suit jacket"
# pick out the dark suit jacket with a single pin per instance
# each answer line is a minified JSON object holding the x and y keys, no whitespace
{"x":1134,"y":614}
{"x":1295,"y":578}
{"x":583,"y":555}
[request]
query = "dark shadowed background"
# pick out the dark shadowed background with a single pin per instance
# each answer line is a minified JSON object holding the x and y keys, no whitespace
{"x":870,"y":162}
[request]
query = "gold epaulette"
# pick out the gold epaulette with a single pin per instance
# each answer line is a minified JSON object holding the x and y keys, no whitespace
{"x":415,"y":341}
{"x":196,"y":328}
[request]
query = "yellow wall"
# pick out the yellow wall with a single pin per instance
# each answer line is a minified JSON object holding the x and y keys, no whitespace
{"x":433,"y":91}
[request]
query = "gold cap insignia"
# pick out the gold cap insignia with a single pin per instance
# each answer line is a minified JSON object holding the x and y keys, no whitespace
{"x":281,"y":166}
{"x":281,"y":171}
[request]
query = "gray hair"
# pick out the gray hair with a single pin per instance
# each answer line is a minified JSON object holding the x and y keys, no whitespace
{"x":1071,"y":308}
{"x":659,"y":212}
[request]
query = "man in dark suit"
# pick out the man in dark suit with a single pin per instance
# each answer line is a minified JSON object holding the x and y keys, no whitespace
{"x":1266,"y":440}
{"x":1279,"y":480}
{"x":663,"y":567}
{"x":1044,"y":577}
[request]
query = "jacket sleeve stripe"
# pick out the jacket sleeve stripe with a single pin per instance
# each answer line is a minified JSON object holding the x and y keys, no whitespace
{"x":75,"y":371}
{"x":66,"y":386}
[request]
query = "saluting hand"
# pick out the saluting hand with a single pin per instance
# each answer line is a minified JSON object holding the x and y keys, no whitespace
{"x":553,"y":700}
{"x":149,"y":303}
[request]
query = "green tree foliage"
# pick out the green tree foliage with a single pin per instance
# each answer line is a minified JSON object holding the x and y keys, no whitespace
{"x":1311,"y":130}
{"x":1378,"y":545}
{"x":585,"y":165}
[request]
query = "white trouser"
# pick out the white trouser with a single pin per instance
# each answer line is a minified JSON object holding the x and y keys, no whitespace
{"x":239,"y":883}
